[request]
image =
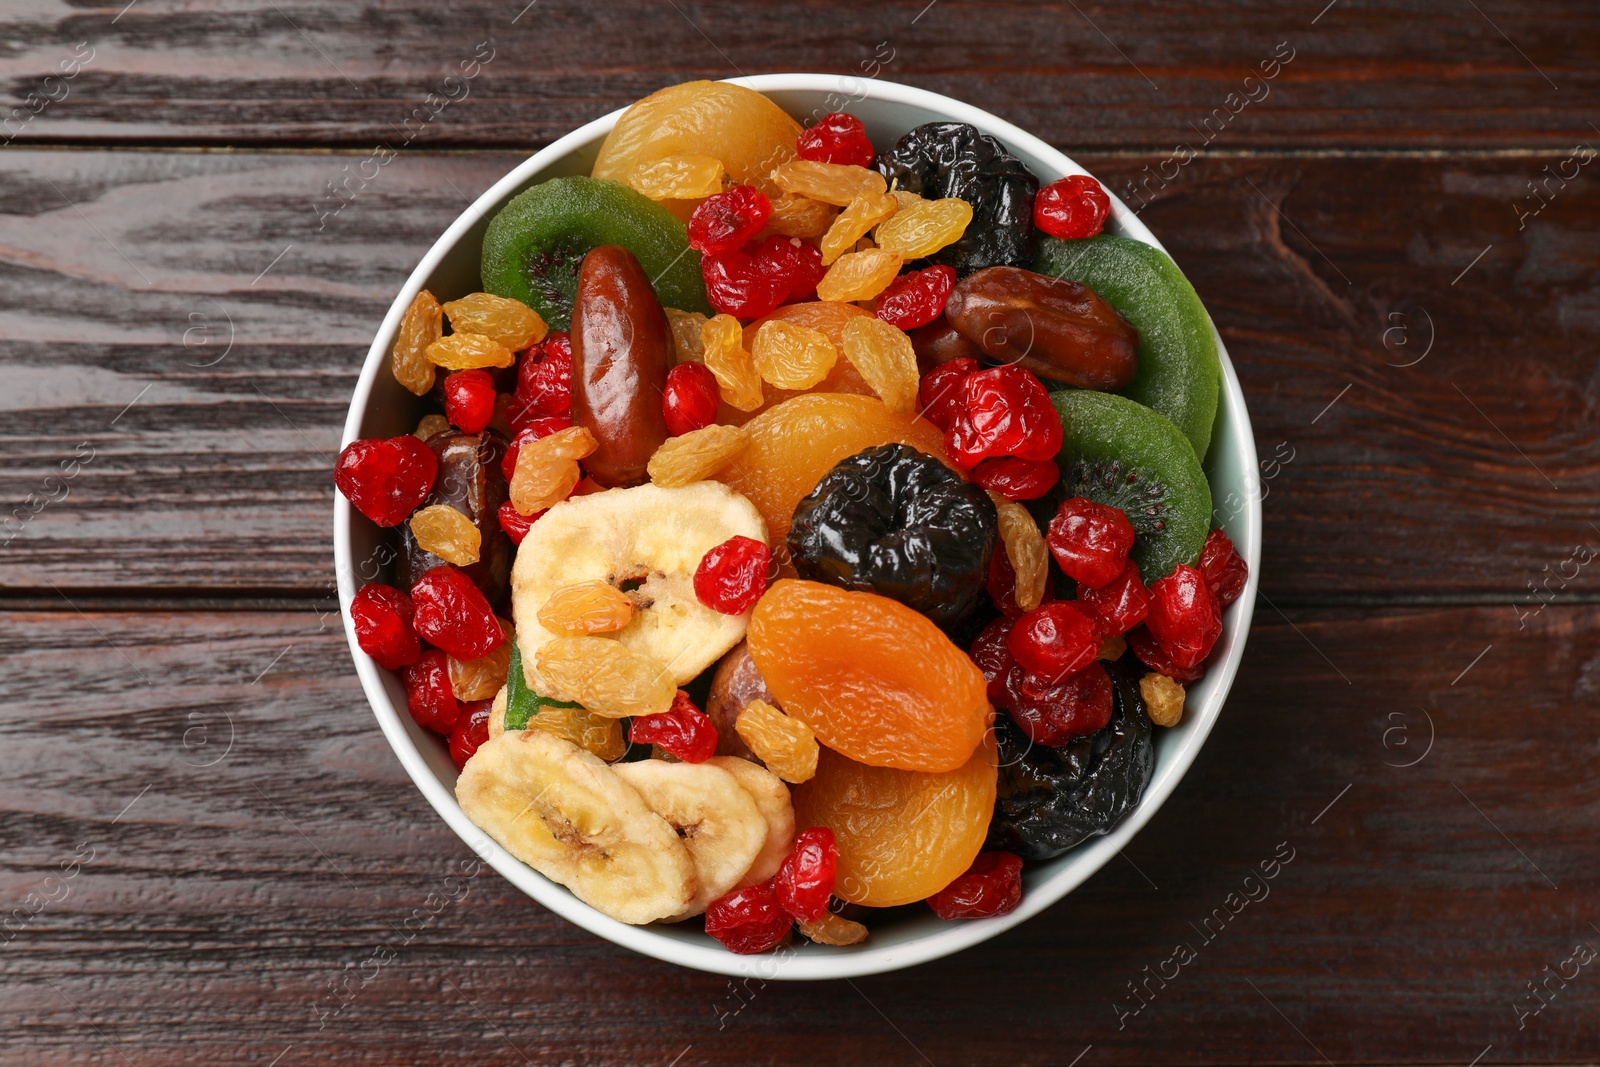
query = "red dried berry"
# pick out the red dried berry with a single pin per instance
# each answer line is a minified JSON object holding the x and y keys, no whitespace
{"x":941,"y":393}
{"x":429,"y":695}
{"x":1002,"y":583}
{"x":689,"y":399}
{"x":732,"y":576}
{"x":737,"y":286}
{"x":544,"y":381}
{"x":916,"y":298}
{"x":749,"y":920}
{"x":1017,"y":479}
{"x":531,"y":430}
{"x":1119,"y":605}
{"x":1071,"y":208}
{"x":683,"y":730}
{"x":386,"y":480}
{"x":1053,"y":713}
{"x":991,"y":886}
{"x":1151,"y":655}
{"x":452,"y":613}
{"x":991,"y":656}
{"x":515,"y":523}
{"x":470,"y":731}
{"x":1004,"y":411}
{"x":838,"y":138}
{"x":725,"y":221}
{"x":1184,"y":617}
{"x":1090,"y":541}
{"x":469,"y":400}
{"x":382,"y":616}
{"x":805,"y":881}
{"x":1053,"y":641}
{"x":1225,"y":570}
{"x":794,"y":265}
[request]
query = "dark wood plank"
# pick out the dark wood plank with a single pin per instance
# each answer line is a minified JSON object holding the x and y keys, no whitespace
{"x":219,"y":911}
{"x":1144,"y":75}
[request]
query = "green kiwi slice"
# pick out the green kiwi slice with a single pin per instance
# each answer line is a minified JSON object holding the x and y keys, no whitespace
{"x":1117,"y":452}
{"x":534,"y":245}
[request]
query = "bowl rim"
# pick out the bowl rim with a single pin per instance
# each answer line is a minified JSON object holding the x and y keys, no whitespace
{"x":866,"y":959}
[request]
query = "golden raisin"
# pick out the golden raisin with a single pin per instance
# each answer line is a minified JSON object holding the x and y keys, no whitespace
{"x":799,"y":216}
{"x":725,"y":357}
{"x":430,"y":425}
{"x":905,"y":200}
{"x":859,"y":275}
{"x":687,"y":347}
{"x":481,"y":678}
{"x":465,"y":351}
{"x":678,"y":178}
{"x":1025,"y":551}
{"x":925,"y":227}
{"x":792,"y":356}
{"x":421,"y":326}
{"x":593,"y":733}
{"x":586,"y":608}
{"x":506,"y":322}
{"x":883,"y":355}
{"x":696,"y":455}
{"x":853,"y":222}
{"x":831,"y":929}
{"x":605,"y":677}
{"x":1163,"y":698}
{"x":787,"y":746}
{"x":547,"y":469}
{"x":447,"y":533}
{"x":831,"y":183}
{"x":1112,"y":648}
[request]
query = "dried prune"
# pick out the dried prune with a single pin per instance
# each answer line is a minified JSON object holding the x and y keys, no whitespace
{"x":952,"y":159}
{"x":1050,"y":799}
{"x":470,"y":481}
{"x":893,"y":521}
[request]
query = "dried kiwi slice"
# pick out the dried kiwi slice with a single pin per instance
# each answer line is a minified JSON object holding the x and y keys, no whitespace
{"x":1122,"y":454}
{"x":533,"y":246}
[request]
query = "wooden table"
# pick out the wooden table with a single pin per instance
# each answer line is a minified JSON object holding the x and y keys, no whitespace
{"x":206,"y":839}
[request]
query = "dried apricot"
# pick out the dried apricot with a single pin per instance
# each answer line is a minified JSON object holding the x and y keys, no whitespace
{"x":902,"y":835}
{"x":792,"y":356}
{"x":420,"y":327}
{"x":859,"y":275}
{"x":831,"y":183}
{"x":448,"y":534}
{"x":605,"y":677}
{"x":464,"y":351}
{"x":687,"y":346}
{"x":924,"y":227}
{"x":832,"y":929}
{"x":507,"y":322}
{"x":725,"y":357}
{"x":876,"y":680}
{"x":481,"y":678}
{"x":547,"y":469}
{"x":864,"y":212}
{"x":882,"y":354}
{"x":1025,"y":551}
{"x":785,"y":744}
{"x":696,"y":455}
{"x":585,"y":608}
{"x":678,"y":177}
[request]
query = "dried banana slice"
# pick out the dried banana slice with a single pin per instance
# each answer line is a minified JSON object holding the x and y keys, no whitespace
{"x":772,"y":800}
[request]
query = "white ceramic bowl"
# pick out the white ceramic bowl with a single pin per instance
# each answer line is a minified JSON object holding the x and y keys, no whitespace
{"x":381,"y":408}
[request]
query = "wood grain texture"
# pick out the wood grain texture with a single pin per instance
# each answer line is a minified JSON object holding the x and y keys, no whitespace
{"x":221,"y":909}
{"x":1144,"y":74}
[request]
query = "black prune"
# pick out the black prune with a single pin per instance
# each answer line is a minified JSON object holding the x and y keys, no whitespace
{"x":1050,"y":799}
{"x":942,"y":159}
{"x":899,"y":523}
{"x":469,"y":480}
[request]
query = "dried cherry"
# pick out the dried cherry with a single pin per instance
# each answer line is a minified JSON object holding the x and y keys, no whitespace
{"x":749,"y":920}
{"x":1225,"y":570}
{"x":804,"y":883}
{"x":733,"y":575}
{"x":1054,"y":641}
{"x":683,"y":730}
{"x":1090,"y":541}
{"x":382,"y":617}
{"x":1184,"y":617}
{"x":1004,"y":411}
{"x":941,"y":391}
{"x":1071,"y":208}
{"x":916,"y":298}
{"x":469,"y":399}
{"x":429,"y":696}
{"x":736,"y":285}
{"x":1017,"y":479}
{"x":1119,"y":605}
{"x":689,"y":401}
{"x":452,"y":613}
{"x":795,"y":266}
{"x":725,"y":221}
{"x":836,"y":137}
{"x":386,"y":480}
{"x":470,"y":731}
{"x":991,"y":886}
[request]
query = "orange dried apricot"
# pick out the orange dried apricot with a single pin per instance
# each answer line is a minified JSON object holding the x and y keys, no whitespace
{"x":585,"y":608}
{"x":420,"y":327}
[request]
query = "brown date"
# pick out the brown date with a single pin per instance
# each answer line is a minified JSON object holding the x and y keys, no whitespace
{"x":621,"y":352}
{"x":1054,"y":327}
{"x":469,"y":480}
{"x":938,"y":342}
{"x":736,"y":683}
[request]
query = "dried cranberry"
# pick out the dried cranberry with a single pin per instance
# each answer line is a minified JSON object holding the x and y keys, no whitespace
{"x":453,"y":614}
{"x":1004,"y":411}
{"x":941,"y":392}
{"x":916,"y":298}
{"x":1054,"y":641}
{"x":805,"y":881}
{"x":725,"y":221}
{"x":1017,"y":479}
{"x":1225,"y":570}
{"x":838,"y":138}
{"x":429,"y":695}
{"x":795,"y":266}
{"x":991,"y":886}
{"x":737,"y":286}
{"x":1090,"y":541}
{"x":532,"y":430}
{"x":732,"y":576}
{"x":1152,"y":655}
{"x":1071,"y":208}
{"x":471,"y":730}
{"x":1052,"y":714}
{"x":991,"y":656}
{"x":1184,"y":617}
{"x":689,"y":399}
{"x":515,"y":523}
{"x":382,"y":618}
{"x":386,"y":480}
{"x":683,"y":730}
{"x":1002,"y":584}
{"x":469,"y":400}
{"x":544,"y":381}
{"x":1119,"y":605}
{"x":749,"y":920}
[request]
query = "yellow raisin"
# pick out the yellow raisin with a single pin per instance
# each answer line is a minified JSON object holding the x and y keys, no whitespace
{"x":448,"y":534}
{"x":481,"y":678}
{"x":831,"y":183}
{"x":591,"y":732}
{"x":430,"y":425}
{"x":925,"y":227}
{"x":863,"y":214}
{"x":586,"y":608}
{"x":883,"y":355}
{"x":1163,"y":698}
{"x":1112,"y":648}
{"x":723,"y":340}
{"x":696,"y":455}
{"x":904,"y":199}
{"x":831,"y":929}
{"x":464,"y":351}
{"x":547,"y":469}
{"x":859,"y":275}
{"x":506,"y":322}
{"x":799,"y":216}
{"x":678,"y":178}
{"x":1025,"y":550}
{"x":687,"y":347}
{"x":785,"y":744}
{"x":792,"y":356}
{"x":605,"y":677}
{"x":421,"y":326}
